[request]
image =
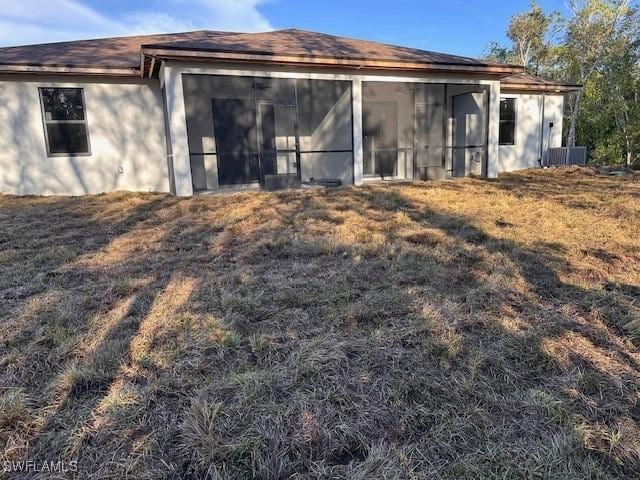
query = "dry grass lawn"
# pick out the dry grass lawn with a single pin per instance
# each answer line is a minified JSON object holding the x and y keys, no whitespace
{"x":463,"y":329}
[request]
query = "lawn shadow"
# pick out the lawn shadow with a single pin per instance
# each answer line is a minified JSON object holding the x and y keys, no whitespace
{"x":340,"y":334}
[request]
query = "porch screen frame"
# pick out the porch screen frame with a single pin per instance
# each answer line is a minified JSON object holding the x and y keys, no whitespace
{"x":403,"y":149}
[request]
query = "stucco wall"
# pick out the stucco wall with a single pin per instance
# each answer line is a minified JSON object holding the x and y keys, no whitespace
{"x":126,"y":130}
{"x":526,"y":150}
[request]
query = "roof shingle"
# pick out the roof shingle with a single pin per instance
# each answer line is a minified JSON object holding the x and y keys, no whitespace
{"x":124,"y":52}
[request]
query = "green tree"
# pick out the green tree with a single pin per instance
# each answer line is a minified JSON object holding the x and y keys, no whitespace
{"x":597,"y":46}
{"x":591,"y":35}
{"x":622,"y":84}
{"x":531,"y":35}
{"x":497,"y":52}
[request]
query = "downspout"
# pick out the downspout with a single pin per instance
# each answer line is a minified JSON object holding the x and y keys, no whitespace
{"x":542,"y":131}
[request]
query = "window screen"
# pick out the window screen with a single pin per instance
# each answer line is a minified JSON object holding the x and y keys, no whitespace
{"x":507,"y":121}
{"x":65,"y":123}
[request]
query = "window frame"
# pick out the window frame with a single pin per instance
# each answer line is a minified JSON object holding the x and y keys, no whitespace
{"x":46,"y":122}
{"x":513,"y":122}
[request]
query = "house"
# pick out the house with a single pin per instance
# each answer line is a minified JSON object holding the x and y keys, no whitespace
{"x":211,"y":111}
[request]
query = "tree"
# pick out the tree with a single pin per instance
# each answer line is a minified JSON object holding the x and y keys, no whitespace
{"x":594,"y":27}
{"x":529,"y":32}
{"x":497,"y":52}
{"x":531,"y":35}
{"x":621,"y":76}
{"x":597,"y":46}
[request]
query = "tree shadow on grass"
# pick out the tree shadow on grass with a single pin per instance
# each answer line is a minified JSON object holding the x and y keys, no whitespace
{"x":402,"y":338}
{"x":603,"y":397}
{"x":349,"y":334}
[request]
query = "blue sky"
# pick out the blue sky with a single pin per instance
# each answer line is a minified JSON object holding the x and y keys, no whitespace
{"x":452,"y":26}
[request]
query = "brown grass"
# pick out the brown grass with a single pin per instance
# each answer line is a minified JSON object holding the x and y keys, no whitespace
{"x":468,"y":329}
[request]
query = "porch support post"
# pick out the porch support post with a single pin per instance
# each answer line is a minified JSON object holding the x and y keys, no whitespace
{"x":177,"y":130}
{"x":358,"y":152}
{"x":493,"y":147}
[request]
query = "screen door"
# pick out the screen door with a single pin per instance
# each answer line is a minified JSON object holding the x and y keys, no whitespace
{"x":279,"y":152}
{"x":235,"y":133}
{"x":380,"y":132}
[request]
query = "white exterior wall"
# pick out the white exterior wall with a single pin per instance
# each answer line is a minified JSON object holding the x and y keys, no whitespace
{"x":532,"y":130}
{"x":126,"y":131}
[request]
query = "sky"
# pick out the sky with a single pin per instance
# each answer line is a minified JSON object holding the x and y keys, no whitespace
{"x":452,"y":26}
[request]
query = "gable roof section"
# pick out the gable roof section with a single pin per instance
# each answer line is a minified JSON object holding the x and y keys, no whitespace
{"x":124,"y":55}
{"x":524,"y":82}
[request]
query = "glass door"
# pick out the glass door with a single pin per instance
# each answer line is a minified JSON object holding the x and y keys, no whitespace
{"x":279,"y":151}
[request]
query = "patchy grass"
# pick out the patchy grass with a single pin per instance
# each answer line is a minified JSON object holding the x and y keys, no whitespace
{"x":467,"y":329}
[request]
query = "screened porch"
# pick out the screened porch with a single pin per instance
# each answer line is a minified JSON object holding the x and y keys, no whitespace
{"x":273,"y":133}
{"x":424,"y":131}
{"x":267,"y":132}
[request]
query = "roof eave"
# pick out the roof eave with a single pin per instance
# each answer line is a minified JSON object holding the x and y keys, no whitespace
{"x":70,"y":70}
{"x":526,"y":87}
{"x":299,"y":60}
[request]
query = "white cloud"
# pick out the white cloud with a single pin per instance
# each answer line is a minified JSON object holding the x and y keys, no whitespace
{"x":37,"y":21}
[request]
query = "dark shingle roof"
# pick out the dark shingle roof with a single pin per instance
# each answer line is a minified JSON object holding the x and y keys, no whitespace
{"x":124,"y":52}
{"x":116,"y":52}
{"x":312,"y":44}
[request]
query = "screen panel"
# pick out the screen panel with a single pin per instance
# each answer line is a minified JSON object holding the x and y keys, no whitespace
{"x":236,"y":137}
{"x":324,"y":115}
{"x":234,"y":120}
{"x":388,"y":129}
{"x":468,"y":129}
